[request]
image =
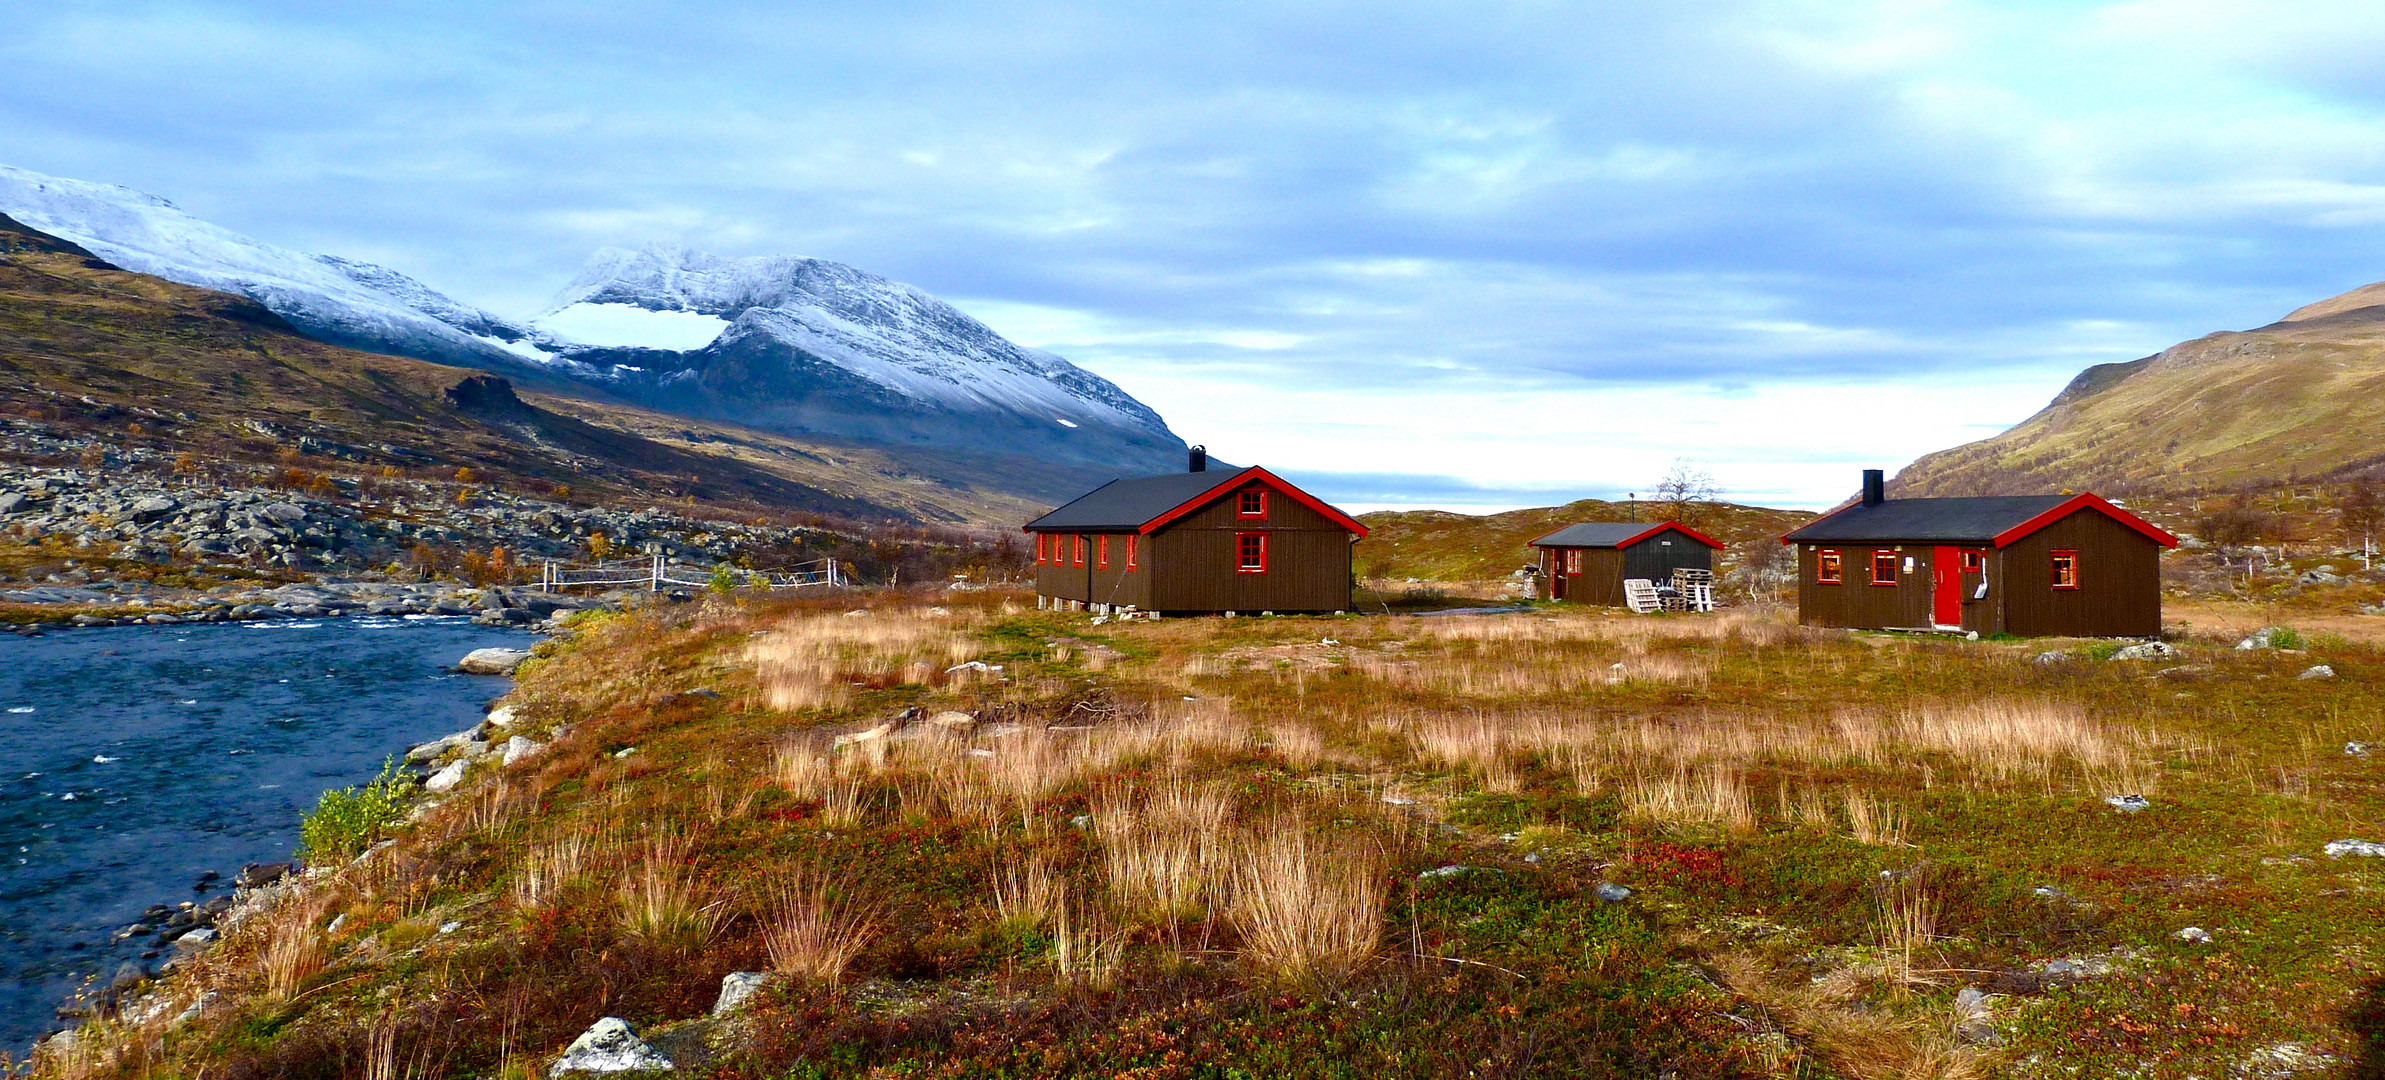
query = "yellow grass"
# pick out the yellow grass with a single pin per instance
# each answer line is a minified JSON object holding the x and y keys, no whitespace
{"x":816,"y":926}
{"x":1309,"y":909}
{"x":663,"y":900}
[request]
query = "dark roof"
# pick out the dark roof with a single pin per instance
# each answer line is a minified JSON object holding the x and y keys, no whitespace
{"x":1977,"y":519}
{"x":1607,"y":534}
{"x":1125,"y":505}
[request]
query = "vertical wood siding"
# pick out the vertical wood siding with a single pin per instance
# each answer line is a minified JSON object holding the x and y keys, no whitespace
{"x":2119,"y":593}
{"x":1858,"y":602}
{"x":1193,"y":560}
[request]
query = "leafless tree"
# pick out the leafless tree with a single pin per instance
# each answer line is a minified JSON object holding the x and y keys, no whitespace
{"x":2359,"y":513}
{"x":1684,"y":487}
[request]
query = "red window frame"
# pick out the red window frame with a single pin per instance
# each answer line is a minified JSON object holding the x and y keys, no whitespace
{"x":1251,"y":505}
{"x":1130,"y":551}
{"x":1829,"y":567}
{"x":1041,"y":547}
{"x":1250,"y":553}
{"x":1079,"y":550}
{"x":1573,"y":562}
{"x":1101,"y":555}
{"x":1974,"y":562}
{"x":2066,"y":568}
{"x":1892,"y":557}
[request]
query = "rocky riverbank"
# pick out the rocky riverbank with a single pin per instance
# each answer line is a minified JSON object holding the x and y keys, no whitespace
{"x":118,"y":604}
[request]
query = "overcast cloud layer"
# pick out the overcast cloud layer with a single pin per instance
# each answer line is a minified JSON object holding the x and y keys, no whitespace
{"x":1461,"y":255}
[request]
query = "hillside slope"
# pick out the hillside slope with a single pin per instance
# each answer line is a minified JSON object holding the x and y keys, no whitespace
{"x":2296,"y":400}
{"x":87,"y":347}
{"x":1437,"y":545}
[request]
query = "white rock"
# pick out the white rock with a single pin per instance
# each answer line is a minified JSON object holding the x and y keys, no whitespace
{"x":504,"y":715}
{"x":609,"y":1046}
{"x":196,"y":939}
{"x":2317,"y":671}
{"x":2194,"y":935}
{"x":492,"y":661}
{"x":2127,"y":804}
{"x":446,"y":779}
{"x":736,"y":987}
{"x":2356,"y":749}
{"x":953,"y":720}
{"x":2337,"y":849}
{"x":521,"y":746}
{"x":1611,"y":892}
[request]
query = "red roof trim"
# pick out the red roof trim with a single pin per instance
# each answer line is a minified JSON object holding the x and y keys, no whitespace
{"x":1274,"y":482}
{"x":2085,"y":500}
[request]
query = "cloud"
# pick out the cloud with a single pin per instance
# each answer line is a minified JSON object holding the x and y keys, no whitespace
{"x":1506,"y":224}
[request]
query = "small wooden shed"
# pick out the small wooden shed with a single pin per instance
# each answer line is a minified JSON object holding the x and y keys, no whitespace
{"x":1587,"y":562}
{"x":1245,"y":541}
{"x":2027,"y":565}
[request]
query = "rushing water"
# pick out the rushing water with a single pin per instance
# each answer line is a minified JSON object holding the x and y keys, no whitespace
{"x":134,"y":759}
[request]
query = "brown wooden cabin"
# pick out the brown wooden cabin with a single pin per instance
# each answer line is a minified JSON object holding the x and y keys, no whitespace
{"x":1587,"y":562}
{"x":2026,"y":565}
{"x":1194,"y":542}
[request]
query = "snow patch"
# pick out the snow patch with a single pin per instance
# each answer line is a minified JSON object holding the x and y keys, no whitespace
{"x":628,"y":326}
{"x":1065,"y":422}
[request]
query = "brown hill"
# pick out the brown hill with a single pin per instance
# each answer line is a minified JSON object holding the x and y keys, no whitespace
{"x":1436,"y":545}
{"x":86,"y":347}
{"x":2295,"y":401}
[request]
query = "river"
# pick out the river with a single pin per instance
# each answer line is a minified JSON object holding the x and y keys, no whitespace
{"x":135,"y":759}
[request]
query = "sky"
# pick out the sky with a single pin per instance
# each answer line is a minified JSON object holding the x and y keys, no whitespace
{"x":1473,"y":256}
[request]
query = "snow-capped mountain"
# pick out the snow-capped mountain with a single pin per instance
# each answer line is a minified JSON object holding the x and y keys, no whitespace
{"x":790,"y":344}
{"x":338,"y":300}
{"x":706,"y":332}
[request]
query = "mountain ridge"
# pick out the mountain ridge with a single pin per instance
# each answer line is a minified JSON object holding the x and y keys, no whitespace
{"x":2292,"y":401}
{"x":810,"y":347}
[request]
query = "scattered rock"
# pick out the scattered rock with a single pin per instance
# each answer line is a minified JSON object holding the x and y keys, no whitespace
{"x":256,"y":874}
{"x":2194,"y":935}
{"x":2283,"y":1060}
{"x":504,"y":715}
{"x":521,"y":746}
{"x":1972,"y":1016}
{"x":195,"y":939}
{"x":2149,"y":650}
{"x":2356,"y":749}
{"x":973,"y":665}
{"x":1611,"y":892}
{"x":954,"y":721}
{"x":2049,"y":659}
{"x":2128,"y":804}
{"x":609,"y":1046}
{"x":446,"y":779}
{"x":492,"y":661}
{"x":1451,"y":870}
{"x":2316,"y":671}
{"x":2337,"y":849}
{"x":2260,"y":638}
{"x":2183,"y":672}
{"x":736,"y":987}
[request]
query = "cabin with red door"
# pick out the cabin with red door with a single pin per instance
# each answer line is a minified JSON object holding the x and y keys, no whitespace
{"x":2026,"y":565}
{"x":1194,"y":542}
{"x":1588,"y":561}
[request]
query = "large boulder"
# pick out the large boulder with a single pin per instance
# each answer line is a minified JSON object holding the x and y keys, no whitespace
{"x":492,"y":661}
{"x":609,"y":1046}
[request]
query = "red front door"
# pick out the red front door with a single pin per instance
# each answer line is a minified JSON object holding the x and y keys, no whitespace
{"x":1946,"y":586}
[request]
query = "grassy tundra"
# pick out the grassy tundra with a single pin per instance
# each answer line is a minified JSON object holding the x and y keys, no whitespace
{"x":1364,"y":846}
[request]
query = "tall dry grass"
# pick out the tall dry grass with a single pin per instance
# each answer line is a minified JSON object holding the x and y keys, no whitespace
{"x":812,"y":661}
{"x":1088,"y":951}
{"x":1711,"y":795}
{"x":663,"y":900}
{"x":1027,"y":893}
{"x":816,"y":924}
{"x":547,"y":868}
{"x":1309,"y":909}
{"x":1162,"y":848}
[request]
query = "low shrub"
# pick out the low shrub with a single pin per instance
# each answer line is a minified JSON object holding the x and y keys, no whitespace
{"x":345,"y":821}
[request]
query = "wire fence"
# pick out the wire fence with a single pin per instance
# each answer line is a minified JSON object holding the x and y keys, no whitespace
{"x":659,"y":572}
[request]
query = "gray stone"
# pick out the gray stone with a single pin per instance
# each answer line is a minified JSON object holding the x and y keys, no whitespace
{"x":283,"y":512}
{"x":2128,"y":804}
{"x":2260,"y":638}
{"x":196,"y":939}
{"x":256,"y":874}
{"x":12,"y":502}
{"x":521,"y":746}
{"x":2316,"y":671}
{"x":2150,"y":650}
{"x":2049,"y":659}
{"x":492,"y":661}
{"x":2194,"y":935}
{"x":2356,"y":749}
{"x":609,"y":1046}
{"x":152,"y":508}
{"x":736,"y":987}
{"x":1612,"y":893}
{"x":446,"y":779}
{"x":2337,"y":849}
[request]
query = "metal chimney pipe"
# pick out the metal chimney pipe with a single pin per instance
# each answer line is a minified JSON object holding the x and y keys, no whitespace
{"x":1875,"y":487}
{"x":1199,"y":459}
